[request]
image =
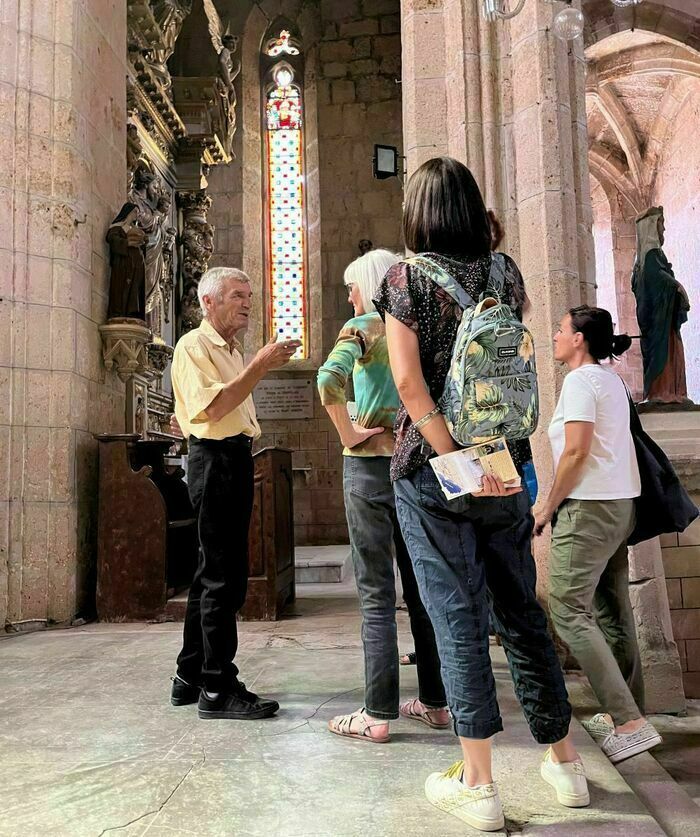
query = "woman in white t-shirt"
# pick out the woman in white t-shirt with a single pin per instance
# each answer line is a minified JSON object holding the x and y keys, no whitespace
{"x":591,"y":507}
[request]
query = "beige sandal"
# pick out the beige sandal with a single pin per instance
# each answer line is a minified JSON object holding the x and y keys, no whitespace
{"x":410,"y":710}
{"x":341,"y":724}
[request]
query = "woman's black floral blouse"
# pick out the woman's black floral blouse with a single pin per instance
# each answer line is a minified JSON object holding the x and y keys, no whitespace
{"x":434,"y":316}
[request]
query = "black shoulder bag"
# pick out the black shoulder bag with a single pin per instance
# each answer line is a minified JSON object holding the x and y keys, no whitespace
{"x":664,"y":505}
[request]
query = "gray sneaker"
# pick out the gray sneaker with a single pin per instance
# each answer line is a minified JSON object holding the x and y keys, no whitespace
{"x":598,"y":727}
{"x":620,"y":746}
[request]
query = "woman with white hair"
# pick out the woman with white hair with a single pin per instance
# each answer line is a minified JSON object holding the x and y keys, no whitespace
{"x":361,"y":352}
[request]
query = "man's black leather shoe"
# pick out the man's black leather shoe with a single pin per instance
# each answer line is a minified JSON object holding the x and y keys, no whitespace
{"x":182,"y":693}
{"x":239,"y":705}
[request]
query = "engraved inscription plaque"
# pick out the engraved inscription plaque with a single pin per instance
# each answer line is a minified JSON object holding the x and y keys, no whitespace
{"x":284,"y":399}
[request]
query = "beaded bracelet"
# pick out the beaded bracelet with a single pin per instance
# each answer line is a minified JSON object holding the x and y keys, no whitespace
{"x":426,"y":418}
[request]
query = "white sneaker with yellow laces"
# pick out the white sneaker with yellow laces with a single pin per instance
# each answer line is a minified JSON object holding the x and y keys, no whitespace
{"x":479,"y":807}
{"x":568,"y":779}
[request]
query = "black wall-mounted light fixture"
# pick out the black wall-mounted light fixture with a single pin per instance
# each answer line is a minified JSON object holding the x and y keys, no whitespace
{"x":385,"y":162}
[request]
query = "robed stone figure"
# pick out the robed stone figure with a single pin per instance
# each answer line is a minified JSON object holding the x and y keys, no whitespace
{"x":128,"y":268}
{"x":662,"y":308}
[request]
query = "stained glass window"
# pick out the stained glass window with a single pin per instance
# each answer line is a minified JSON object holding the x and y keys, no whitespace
{"x":282,"y":45}
{"x":287,"y":257}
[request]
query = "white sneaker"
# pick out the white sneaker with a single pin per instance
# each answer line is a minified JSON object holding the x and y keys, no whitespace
{"x":619,"y":746}
{"x":479,"y":807}
{"x":598,"y":727}
{"x":568,"y":780}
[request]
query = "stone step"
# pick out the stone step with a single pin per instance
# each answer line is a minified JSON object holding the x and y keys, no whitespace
{"x":677,"y":432}
{"x":322,"y":564}
{"x":670,"y":804}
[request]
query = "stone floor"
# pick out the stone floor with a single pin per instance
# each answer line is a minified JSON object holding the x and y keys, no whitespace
{"x":89,"y":744}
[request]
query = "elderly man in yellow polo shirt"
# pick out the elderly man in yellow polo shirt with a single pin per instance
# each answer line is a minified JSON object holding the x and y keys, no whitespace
{"x":214,"y":408}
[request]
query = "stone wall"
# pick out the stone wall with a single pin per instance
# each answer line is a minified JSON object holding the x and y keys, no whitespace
{"x":681,"y":562}
{"x":606,"y":296}
{"x":352,"y":56}
{"x":62,"y":146}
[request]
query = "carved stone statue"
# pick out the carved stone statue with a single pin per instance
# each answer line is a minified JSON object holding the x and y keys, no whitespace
{"x":225,"y":45}
{"x":145,"y":194}
{"x":662,"y":308}
{"x":169,"y":15}
{"x":127,"y":265}
{"x":153,"y":203}
{"x":133,"y":148}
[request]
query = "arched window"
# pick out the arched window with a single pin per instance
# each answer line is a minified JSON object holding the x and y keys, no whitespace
{"x":285,"y":206}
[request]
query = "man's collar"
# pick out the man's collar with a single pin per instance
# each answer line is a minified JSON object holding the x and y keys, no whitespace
{"x":216,"y":338}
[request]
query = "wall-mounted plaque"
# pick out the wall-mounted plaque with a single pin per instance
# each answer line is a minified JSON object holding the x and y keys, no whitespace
{"x":278,"y":399}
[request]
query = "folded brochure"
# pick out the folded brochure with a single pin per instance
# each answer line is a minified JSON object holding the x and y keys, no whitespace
{"x":461,"y":472}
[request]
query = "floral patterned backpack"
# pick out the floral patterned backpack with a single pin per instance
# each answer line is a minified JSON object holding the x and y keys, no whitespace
{"x":491,"y":388}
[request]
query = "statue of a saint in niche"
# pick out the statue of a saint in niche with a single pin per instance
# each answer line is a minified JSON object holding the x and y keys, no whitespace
{"x":662,"y":308}
{"x":153,"y":203}
{"x":128,"y":268}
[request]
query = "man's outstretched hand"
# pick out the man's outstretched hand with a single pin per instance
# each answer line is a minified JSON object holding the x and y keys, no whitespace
{"x":277,"y":353}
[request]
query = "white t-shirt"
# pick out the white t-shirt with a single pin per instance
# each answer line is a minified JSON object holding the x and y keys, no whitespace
{"x":596,"y":394}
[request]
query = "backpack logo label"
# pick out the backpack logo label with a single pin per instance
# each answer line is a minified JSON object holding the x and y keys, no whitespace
{"x":507,"y":351}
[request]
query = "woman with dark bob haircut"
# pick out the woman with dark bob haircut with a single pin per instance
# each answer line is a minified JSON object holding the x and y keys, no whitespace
{"x":472,"y":555}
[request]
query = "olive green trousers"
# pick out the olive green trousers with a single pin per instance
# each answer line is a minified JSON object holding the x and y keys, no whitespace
{"x":589,"y":600}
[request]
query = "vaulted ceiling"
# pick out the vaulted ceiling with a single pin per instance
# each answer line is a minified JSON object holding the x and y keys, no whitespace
{"x":636,"y":82}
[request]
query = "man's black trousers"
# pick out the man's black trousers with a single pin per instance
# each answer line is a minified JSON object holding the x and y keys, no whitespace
{"x":220,"y":483}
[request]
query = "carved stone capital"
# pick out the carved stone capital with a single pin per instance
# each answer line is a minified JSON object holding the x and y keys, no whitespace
{"x":194,"y":205}
{"x":124,"y":344}
{"x":159,"y":355}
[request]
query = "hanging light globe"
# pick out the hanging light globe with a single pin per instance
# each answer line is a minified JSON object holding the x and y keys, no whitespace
{"x":568,"y":24}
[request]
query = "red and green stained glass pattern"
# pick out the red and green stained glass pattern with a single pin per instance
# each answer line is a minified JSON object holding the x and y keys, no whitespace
{"x":282,"y":45}
{"x":286,"y":215}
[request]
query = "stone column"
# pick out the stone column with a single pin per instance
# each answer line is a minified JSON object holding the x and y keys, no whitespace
{"x":663,"y":679}
{"x":473,"y":103}
{"x":624,"y":254}
{"x":424,"y":83}
{"x":546,"y":197}
{"x":62,"y":166}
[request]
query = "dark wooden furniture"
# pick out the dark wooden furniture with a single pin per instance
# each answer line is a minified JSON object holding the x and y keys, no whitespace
{"x":147,"y":534}
{"x":271,"y":538}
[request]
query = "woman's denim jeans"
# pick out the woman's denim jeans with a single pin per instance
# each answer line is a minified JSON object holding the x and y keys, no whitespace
{"x":472,"y":555}
{"x":370,"y":509}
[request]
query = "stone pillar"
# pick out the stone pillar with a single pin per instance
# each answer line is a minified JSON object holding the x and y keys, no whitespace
{"x":550,"y":198}
{"x":62,"y":166}
{"x":424,"y":83}
{"x":663,"y":680}
{"x":624,"y":254}
{"x":473,"y":103}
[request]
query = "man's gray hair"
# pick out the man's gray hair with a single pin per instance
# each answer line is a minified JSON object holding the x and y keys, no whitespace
{"x":212,"y":282}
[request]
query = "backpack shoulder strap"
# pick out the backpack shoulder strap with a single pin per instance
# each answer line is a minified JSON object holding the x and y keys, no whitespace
{"x":496,"y":283}
{"x":430,"y":268}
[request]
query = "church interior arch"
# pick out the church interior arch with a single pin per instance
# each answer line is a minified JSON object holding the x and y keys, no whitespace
{"x":643,"y":111}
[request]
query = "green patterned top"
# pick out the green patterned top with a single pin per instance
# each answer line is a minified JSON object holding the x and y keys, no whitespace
{"x":361,"y":351}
